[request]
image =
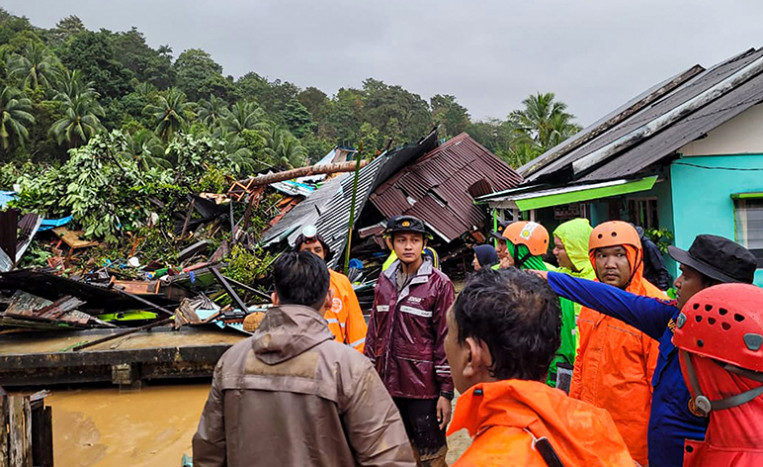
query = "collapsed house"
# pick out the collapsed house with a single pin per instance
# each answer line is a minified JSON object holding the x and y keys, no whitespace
{"x":435,"y":182}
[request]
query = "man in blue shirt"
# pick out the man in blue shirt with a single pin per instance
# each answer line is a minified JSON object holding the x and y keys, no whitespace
{"x":709,"y":261}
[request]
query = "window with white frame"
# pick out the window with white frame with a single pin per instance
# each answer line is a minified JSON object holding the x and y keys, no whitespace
{"x":748,"y":225}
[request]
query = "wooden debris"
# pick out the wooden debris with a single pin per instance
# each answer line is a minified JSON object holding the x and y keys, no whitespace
{"x":72,"y":238}
{"x":136,"y":287}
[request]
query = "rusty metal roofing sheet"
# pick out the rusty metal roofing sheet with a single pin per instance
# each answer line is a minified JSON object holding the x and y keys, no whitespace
{"x":663,"y":143}
{"x":437,"y":188}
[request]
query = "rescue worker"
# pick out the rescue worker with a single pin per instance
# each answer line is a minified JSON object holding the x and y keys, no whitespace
{"x":485,"y":257}
{"x":709,"y":261}
{"x":345,"y":318}
{"x":719,"y":334}
{"x":503,"y":331}
{"x":571,"y":248}
{"x":571,"y":252}
{"x":615,"y":362}
{"x":525,"y":244}
{"x":291,"y":395}
{"x":405,"y":339}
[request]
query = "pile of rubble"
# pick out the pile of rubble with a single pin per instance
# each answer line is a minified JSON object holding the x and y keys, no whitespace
{"x":346,"y":198}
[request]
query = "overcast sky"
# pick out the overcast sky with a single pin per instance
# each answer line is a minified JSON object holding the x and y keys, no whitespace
{"x":594,"y":54}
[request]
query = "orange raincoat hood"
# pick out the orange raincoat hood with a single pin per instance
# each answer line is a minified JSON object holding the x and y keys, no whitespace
{"x":505,"y":417}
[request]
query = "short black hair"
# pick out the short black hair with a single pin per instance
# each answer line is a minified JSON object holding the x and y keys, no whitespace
{"x":517,"y":315}
{"x":301,"y":278}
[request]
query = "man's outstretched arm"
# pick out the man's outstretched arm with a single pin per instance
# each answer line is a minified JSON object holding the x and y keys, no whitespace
{"x":649,"y":315}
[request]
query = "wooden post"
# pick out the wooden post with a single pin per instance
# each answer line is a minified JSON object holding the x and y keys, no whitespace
{"x":4,"y":431}
{"x":20,"y":444}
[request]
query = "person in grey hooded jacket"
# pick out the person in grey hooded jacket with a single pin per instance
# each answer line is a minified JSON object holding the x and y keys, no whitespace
{"x":291,"y":395}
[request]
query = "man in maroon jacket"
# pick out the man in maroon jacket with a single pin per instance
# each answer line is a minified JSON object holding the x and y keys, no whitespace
{"x":405,"y":339}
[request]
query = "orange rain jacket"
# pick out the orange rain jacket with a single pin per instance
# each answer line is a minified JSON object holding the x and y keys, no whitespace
{"x":345,"y":318}
{"x":509,"y":415}
{"x":615,"y":363}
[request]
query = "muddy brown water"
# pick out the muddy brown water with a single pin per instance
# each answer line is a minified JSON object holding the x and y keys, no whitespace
{"x":149,"y":427}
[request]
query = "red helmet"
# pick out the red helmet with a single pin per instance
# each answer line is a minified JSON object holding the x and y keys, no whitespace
{"x":531,"y":234}
{"x":725,"y":323}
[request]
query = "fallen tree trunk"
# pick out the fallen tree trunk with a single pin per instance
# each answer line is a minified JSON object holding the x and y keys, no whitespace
{"x":299,"y":172}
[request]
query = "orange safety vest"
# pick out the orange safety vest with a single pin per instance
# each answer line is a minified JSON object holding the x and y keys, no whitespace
{"x":345,"y":318}
{"x":614,"y":366}
{"x":506,"y":417}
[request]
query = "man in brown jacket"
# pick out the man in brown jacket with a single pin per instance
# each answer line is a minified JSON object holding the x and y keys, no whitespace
{"x":291,"y":395}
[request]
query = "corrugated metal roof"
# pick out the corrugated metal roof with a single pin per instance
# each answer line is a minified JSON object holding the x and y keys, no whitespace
{"x":554,"y":166}
{"x":328,"y":208}
{"x":436,"y":188}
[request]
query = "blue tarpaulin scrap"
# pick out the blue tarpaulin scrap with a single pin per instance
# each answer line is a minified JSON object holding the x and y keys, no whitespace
{"x":6,"y":197}
{"x":47,"y":224}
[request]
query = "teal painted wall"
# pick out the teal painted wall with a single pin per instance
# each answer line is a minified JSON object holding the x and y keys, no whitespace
{"x":702,"y":196}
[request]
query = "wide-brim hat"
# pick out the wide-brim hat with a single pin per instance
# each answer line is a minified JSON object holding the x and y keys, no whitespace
{"x":718,"y":258}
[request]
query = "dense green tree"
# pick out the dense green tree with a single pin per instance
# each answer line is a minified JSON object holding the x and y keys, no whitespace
{"x":93,"y":54}
{"x":80,"y":121}
{"x":148,"y":65}
{"x":314,"y":100}
{"x":449,"y":113}
{"x":66,"y":28}
{"x":297,"y":119}
{"x":170,"y":113}
{"x":397,"y":113}
{"x":11,"y":25}
{"x":15,"y":118}
{"x":195,"y":71}
{"x":35,"y":67}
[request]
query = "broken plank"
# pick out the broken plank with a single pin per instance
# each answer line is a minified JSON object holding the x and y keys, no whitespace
{"x":137,"y":287}
{"x":72,"y":238}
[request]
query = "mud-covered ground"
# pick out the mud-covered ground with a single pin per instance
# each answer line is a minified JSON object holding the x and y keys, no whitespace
{"x":151,"y":427}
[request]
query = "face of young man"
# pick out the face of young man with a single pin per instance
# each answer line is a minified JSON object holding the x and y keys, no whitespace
{"x":476,"y":263}
{"x":561,"y":254}
{"x":687,"y":284}
{"x":408,"y":246}
{"x":612,"y":266}
{"x":315,"y":247}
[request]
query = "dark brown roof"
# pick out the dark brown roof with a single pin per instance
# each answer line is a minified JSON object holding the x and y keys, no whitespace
{"x":440,"y":188}
{"x":641,"y":129}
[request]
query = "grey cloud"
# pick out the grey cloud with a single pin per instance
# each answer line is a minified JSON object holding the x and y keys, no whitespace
{"x":594,"y":54}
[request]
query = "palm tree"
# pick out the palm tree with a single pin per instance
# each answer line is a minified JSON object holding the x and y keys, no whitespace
{"x":544,"y":120}
{"x":239,"y":155}
{"x":35,"y":67}
{"x":283,"y":148}
{"x":169,"y":113}
{"x":71,"y":84}
{"x":213,"y":110}
{"x":80,"y":121}
{"x":146,"y":149}
{"x":15,"y":115}
{"x":244,"y":116}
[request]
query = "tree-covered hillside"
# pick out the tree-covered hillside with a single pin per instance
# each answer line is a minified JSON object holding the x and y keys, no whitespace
{"x":61,"y":87}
